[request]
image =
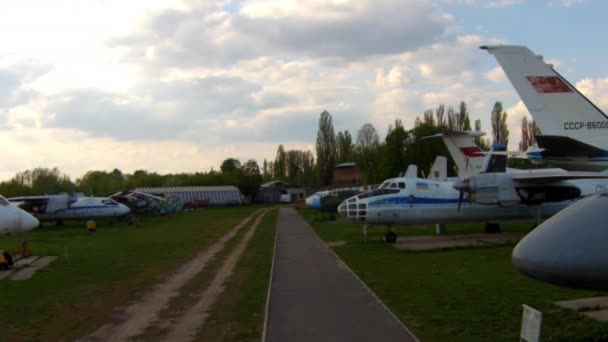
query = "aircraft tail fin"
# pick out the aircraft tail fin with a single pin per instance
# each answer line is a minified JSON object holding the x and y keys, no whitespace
{"x":556,"y":105}
{"x":439,"y":170}
{"x":467,"y":156}
{"x":412,"y":171}
{"x":494,"y":163}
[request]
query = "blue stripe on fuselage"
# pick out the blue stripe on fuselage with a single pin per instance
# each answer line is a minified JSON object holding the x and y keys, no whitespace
{"x":412,"y":200}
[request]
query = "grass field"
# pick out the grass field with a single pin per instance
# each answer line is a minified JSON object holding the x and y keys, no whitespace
{"x":239,"y":313}
{"x":102,"y":270}
{"x":470,"y":294}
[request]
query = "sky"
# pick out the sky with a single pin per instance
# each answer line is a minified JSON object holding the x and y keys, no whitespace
{"x":179,"y":86}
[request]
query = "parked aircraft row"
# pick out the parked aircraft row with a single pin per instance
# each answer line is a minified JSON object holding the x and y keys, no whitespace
{"x":568,"y":249}
{"x":491,"y":193}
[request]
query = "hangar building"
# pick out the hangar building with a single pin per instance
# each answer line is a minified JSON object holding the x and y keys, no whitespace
{"x":199,"y":196}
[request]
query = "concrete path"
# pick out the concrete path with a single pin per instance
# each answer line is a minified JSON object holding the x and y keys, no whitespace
{"x":315,"y":297}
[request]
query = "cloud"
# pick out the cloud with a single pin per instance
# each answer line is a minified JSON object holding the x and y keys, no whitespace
{"x":496,"y":75}
{"x":316,"y":29}
{"x":595,"y":90}
{"x":503,"y":3}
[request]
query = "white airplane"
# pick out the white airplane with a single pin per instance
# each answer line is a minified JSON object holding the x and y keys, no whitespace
{"x":411,"y":200}
{"x":65,"y":207}
{"x":573,"y":128}
{"x":14,"y":220}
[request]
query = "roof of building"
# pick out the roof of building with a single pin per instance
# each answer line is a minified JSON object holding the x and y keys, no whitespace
{"x":274,"y":183}
{"x":346,"y":165}
{"x":188,"y":189}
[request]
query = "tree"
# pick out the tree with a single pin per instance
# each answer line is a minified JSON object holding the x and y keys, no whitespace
{"x":480,"y":141}
{"x":250,"y":179}
{"x":500,"y":131}
{"x":344,"y":144}
{"x":293,"y":163}
{"x":367,"y":135}
{"x":230,"y":165}
{"x":395,"y":150}
{"x":308,"y":169}
{"x":280,"y":163}
{"x":326,"y":148}
{"x":528,"y":132}
{"x":440,"y":113}
{"x":463,"y":117}
{"x":367,"y":153}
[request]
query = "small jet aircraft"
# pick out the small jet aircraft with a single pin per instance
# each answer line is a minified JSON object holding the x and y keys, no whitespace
{"x":573,"y":128}
{"x":69,"y":207}
{"x":14,"y":220}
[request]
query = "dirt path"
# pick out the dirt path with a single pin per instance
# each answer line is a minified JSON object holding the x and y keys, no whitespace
{"x":186,"y":326}
{"x":144,"y":312}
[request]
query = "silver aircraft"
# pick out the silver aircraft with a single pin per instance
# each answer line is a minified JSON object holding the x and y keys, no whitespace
{"x":70,"y":207}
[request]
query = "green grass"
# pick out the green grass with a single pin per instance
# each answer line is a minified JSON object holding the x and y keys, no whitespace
{"x":238,"y":315}
{"x":470,"y":294}
{"x":103,"y":270}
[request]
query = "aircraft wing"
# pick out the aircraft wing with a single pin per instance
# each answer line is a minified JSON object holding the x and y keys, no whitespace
{"x":544,"y":178}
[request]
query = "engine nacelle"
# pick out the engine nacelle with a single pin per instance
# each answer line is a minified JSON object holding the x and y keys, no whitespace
{"x":493,"y":189}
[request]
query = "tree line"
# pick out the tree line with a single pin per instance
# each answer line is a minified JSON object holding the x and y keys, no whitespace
{"x":378,"y":160}
{"x":375,"y":159}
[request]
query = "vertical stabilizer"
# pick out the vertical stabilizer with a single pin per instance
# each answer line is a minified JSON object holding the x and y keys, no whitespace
{"x":558,"y":107}
{"x":467,"y":156}
{"x":496,"y":162}
{"x":412,"y":171}
{"x":439,"y":170}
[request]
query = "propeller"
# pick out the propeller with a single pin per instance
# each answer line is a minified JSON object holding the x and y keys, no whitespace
{"x":462,"y":186}
{"x":460,"y":197}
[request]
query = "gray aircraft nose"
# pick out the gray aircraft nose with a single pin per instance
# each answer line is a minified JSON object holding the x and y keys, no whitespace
{"x":123,"y":209}
{"x":569,"y":249}
{"x":27,"y":221}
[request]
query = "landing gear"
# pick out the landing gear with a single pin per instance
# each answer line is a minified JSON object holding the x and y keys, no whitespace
{"x":59,"y":223}
{"x":492,"y":228}
{"x":390,"y":236}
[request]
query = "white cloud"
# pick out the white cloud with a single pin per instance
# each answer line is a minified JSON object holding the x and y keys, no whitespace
{"x":503,"y":3}
{"x":496,"y":75}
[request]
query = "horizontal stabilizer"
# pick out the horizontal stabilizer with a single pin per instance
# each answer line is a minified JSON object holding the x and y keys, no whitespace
{"x":561,"y":146}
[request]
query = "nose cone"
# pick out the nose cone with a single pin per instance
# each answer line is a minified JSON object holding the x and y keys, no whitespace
{"x":343,"y":208}
{"x":27,"y":221}
{"x":569,"y":249}
{"x":314,"y":201}
{"x":123,"y":209}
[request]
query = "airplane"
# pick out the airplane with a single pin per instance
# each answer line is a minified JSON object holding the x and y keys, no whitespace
{"x":144,"y":203}
{"x":70,"y":207}
{"x":573,"y":128}
{"x":569,"y":249}
{"x":14,"y":220}
{"x":412,"y":200}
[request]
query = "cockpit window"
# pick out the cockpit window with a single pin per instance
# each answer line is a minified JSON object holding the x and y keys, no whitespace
{"x":393,"y":185}
{"x":384,"y":185}
{"x":378,"y":192}
{"x":401,"y":185}
{"x":109,"y":201}
{"x":4,"y":202}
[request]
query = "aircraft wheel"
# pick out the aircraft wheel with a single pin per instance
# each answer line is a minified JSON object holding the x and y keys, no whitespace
{"x":59,"y":223}
{"x":492,"y":228}
{"x":390,"y":237}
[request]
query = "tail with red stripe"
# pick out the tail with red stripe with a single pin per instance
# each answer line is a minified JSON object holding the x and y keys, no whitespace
{"x":468,"y":157}
{"x":557,"y":106}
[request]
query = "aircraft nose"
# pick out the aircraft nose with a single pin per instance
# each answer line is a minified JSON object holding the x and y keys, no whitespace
{"x":569,"y":248}
{"x":353,"y":209}
{"x":27,"y":221}
{"x":123,"y":209}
